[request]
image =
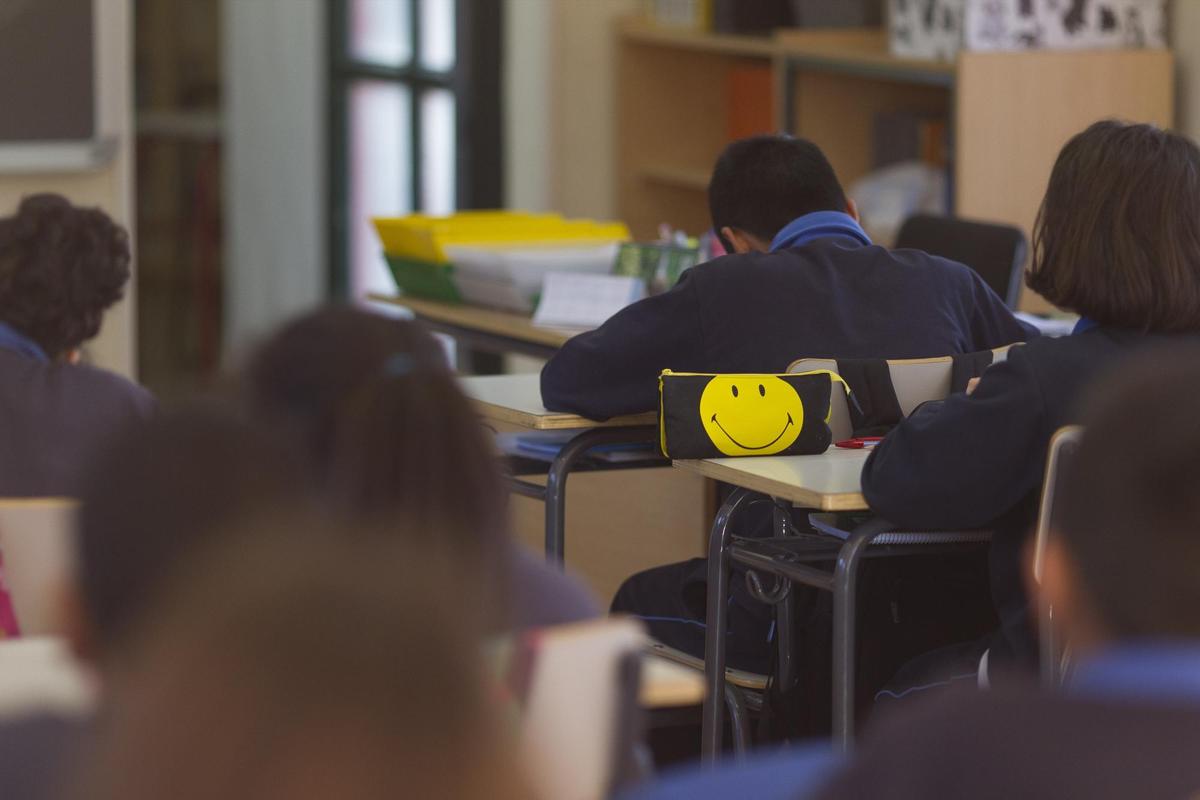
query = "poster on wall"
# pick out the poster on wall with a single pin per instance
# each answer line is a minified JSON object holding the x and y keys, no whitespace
{"x":939,"y":28}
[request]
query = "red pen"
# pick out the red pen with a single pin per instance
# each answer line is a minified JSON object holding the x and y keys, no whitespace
{"x":858,"y":442}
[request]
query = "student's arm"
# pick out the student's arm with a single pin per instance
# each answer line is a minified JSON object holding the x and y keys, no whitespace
{"x":963,"y":462}
{"x":614,"y":369}
{"x":992,"y":323}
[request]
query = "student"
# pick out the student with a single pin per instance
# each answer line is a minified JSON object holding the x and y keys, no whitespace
{"x":803,"y":280}
{"x":1120,"y":574}
{"x":387,"y":431}
{"x":151,"y":503}
{"x":1117,"y":240}
{"x":61,"y":267}
{"x":296,"y":667}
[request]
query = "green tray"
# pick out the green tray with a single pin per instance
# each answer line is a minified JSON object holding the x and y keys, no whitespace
{"x":425,"y":279}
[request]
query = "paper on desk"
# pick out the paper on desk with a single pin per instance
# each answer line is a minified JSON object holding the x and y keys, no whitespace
{"x":573,"y":300}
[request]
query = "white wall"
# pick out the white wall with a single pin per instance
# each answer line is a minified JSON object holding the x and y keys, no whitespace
{"x":276,"y":230}
{"x":1185,"y":39}
{"x":110,"y":188}
{"x":527,"y":66}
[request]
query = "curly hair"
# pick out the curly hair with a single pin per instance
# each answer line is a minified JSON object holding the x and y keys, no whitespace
{"x":61,"y":267}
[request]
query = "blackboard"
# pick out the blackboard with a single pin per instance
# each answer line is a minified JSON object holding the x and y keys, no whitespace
{"x":47,"y":70}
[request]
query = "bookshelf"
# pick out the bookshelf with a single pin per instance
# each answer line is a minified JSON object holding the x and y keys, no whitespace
{"x":1007,"y":114}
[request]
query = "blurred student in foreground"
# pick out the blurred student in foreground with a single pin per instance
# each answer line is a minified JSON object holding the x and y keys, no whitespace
{"x":297,"y":666}
{"x":1121,"y":575}
{"x":373,"y":404}
{"x":153,"y":502}
{"x":61,"y":268}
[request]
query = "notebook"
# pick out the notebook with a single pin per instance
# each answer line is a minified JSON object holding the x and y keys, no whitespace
{"x":574,"y":300}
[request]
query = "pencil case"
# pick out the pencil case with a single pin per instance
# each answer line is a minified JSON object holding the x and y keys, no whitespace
{"x":712,"y":416}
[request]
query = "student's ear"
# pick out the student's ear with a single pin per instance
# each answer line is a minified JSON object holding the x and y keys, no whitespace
{"x":740,"y":242}
{"x":75,"y":624}
{"x":74,"y":356}
{"x":1061,"y":588}
{"x":852,"y":209}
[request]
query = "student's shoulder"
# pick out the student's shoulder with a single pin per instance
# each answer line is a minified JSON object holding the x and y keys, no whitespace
{"x":116,"y":389}
{"x":919,"y":261}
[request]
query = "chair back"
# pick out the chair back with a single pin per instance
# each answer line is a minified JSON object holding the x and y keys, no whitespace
{"x":35,"y":543}
{"x":996,"y":252}
{"x":1063,"y":447}
{"x":915,"y":380}
{"x":579,"y":724}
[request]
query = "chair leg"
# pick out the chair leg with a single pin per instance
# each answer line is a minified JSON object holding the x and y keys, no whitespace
{"x":739,"y":719}
{"x":712,"y":716}
{"x":845,"y":599}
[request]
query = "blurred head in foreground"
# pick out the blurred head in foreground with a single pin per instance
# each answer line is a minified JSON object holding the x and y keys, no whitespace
{"x":291,"y":663}
{"x":1122,"y":562}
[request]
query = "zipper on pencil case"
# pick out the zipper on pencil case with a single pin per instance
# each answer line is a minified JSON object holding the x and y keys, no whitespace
{"x":833,"y":376}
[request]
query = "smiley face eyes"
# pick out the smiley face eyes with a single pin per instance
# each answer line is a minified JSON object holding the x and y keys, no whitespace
{"x":762,"y":390}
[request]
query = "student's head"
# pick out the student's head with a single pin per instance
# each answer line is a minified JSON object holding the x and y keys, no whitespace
{"x":385,"y":426}
{"x":298,"y":665}
{"x":1117,"y":238}
{"x":761,"y":184}
{"x":156,"y":499}
{"x":1124,"y":558}
{"x":61,"y":267}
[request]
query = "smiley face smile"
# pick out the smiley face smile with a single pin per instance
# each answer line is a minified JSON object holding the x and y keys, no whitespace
{"x":786,"y":425}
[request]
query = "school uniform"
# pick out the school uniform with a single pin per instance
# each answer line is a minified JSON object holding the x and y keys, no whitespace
{"x":824,"y":290}
{"x":977,"y":461}
{"x":54,"y":417}
{"x":1126,"y":726}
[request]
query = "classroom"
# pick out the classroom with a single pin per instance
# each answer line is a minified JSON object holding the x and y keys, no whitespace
{"x":599,"y":399}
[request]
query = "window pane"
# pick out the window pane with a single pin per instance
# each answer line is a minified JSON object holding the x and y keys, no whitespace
{"x":437,"y":34}
{"x":380,"y":32}
{"x":438,"y":161}
{"x":380,"y":180}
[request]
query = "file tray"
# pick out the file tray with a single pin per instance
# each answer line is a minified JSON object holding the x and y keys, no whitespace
{"x":425,"y":279}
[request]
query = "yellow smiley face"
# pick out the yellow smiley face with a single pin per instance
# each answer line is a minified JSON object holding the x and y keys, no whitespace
{"x":751,"y":415}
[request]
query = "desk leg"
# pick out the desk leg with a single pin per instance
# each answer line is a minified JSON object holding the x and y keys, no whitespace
{"x":560,"y":468}
{"x":845,"y":587}
{"x":712,"y":717}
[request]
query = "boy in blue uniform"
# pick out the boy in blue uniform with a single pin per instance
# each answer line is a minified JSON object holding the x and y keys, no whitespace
{"x":803,"y":279}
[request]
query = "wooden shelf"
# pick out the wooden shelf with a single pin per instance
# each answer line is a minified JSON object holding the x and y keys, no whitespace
{"x":638,"y":30}
{"x":677,"y":177}
{"x":862,"y":52}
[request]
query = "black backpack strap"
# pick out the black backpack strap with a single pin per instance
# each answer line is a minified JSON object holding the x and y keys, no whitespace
{"x":965,"y":366}
{"x":874,"y":408}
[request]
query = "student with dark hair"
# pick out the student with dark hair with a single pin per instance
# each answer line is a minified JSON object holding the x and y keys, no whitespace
{"x":1118,"y":241}
{"x":1120,"y":574}
{"x":802,"y":279}
{"x":154,"y":500}
{"x":388,"y":434}
{"x":295,"y":666}
{"x":61,"y":268}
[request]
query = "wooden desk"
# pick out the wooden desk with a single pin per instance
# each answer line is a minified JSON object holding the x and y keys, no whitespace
{"x":829,"y":482}
{"x":517,"y":400}
{"x":486,"y":329}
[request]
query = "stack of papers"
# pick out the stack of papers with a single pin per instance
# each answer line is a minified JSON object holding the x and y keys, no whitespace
{"x":575,"y":301}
